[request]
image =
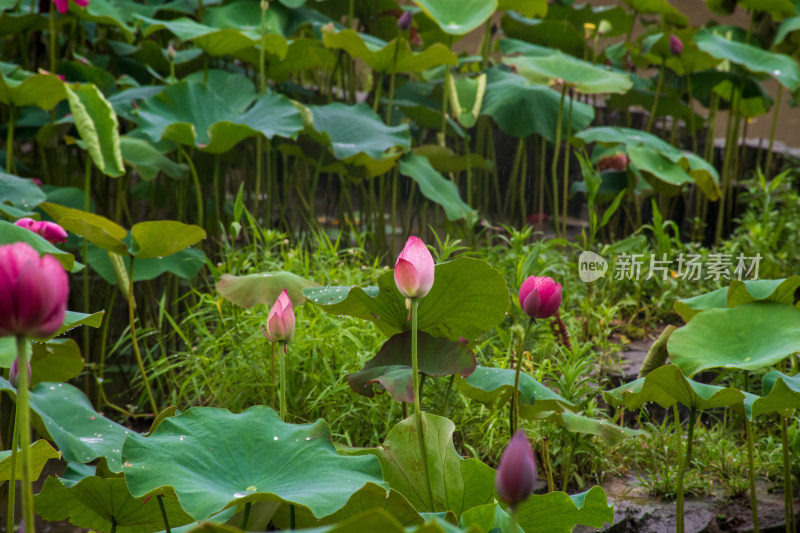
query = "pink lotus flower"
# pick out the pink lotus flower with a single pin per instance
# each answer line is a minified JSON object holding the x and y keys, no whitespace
{"x":516,"y":473}
{"x":13,"y":374}
{"x":33,"y":292}
{"x":49,"y":230}
{"x":63,"y":5}
{"x":413,"y":272}
{"x":675,"y":45}
{"x":540,"y":297}
{"x":280,"y":321}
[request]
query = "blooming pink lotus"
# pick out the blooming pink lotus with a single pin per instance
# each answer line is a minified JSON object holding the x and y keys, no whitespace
{"x":280,"y":321}
{"x":516,"y":473}
{"x":49,"y":230}
{"x":63,"y":5}
{"x":413,"y":272}
{"x":540,"y":297}
{"x":33,"y":292}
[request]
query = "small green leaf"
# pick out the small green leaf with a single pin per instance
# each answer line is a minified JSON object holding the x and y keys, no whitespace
{"x":20,"y":192}
{"x":73,"y":319}
{"x":458,"y":17}
{"x":96,"y":229}
{"x":557,"y":512}
{"x":435,"y":187}
{"x":148,"y":161}
{"x":781,"y":394}
{"x":40,"y":452}
{"x":44,"y":91}
{"x":161,"y":238}
{"x":97,"y":125}
{"x":251,"y":289}
{"x":56,"y":360}
{"x":612,"y":434}
{"x":586,"y":77}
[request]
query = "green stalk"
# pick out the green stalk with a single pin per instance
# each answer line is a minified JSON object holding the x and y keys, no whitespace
{"x":246,"y":515}
{"x":197,"y":190}
{"x":730,"y":149}
{"x":136,"y":352}
{"x":652,"y":118}
{"x":283,"y":380}
{"x":512,"y":180}
{"x":262,"y":89}
{"x":692,"y":124}
{"x":87,"y":183}
{"x":751,"y":473}
{"x":512,"y":519}
{"x":773,"y":129}
{"x":551,"y":485}
{"x":391,"y":83}
{"x":787,"y":477}
{"x":556,"y":150}
{"x":447,"y":81}
{"x":52,"y":32}
{"x":418,"y":413}
{"x":568,"y":463}
{"x":163,"y":513}
{"x":12,"y":120}
{"x":679,"y":525}
{"x":12,"y":482}
{"x":515,"y":396}
{"x":23,"y":420}
{"x":565,"y":185}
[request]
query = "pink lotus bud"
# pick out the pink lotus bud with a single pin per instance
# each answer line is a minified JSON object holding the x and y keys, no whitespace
{"x":413,"y":272}
{"x":675,"y":45}
{"x":280,"y":321}
{"x":540,"y":297}
{"x":63,"y":5}
{"x":33,"y":292}
{"x":516,"y":473}
{"x":615,"y":163}
{"x":404,"y":22}
{"x":49,"y":230}
{"x":13,"y":374}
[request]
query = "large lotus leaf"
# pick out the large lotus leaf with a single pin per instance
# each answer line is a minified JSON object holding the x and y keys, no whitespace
{"x":10,"y":233}
{"x":96,"y":229}
{"x":468,"y":297}
{"x":741,"y":292}
{"x":586,"y":77}
{"x":527,"y":8}
{"x":303,"y":54}
{"x":457,"y":484}
{"x":97,"y":125}
{"x":781,"y":394}
{"x":215,"y":459}
{"x":612,"y":434}
{"x":522,"y":108}
{"x":246,"y":15}
{"x":193,"y":114}
{"x":659,"y":7}
{"x":556,"y":34}
{"x":251,"y":289}
{"x":703,"y":174}
{"x":391,"y":366}
{"x":237,"y":91}
{"x":41,"y":90}
{"x":435,"y":187}
{"x":657,"y":168}
{"x":160,"y":238}
{"x":55,"y":360}
{"x":80,"y":432}
{"x":395,"y":56}
{"x":554,"y":512}
{"x":747,"y":337}
{"x":667,"y":385}
{"x":106,"y":505}
{"x":40,"y":451}
{"x":354,"y":132}
{"x":20,"y":192}
{"x":458,"y":17}
{"x":217,"y":41}
{"x":780,"y":66}
{"x":116,"y":13}
{"x":493,"y":388}
{"x":148,"y":161}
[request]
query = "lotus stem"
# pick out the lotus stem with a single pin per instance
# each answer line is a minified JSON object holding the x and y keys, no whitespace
{"x":556,"y":153}
{"x":12,"y":120}
{"x":515,"y":396}
{"x":681,"y":469}
{"x":787,"y":478}
{"x":197,"y":189}
{"x":23,"y":420}
{"x":652,"y":118}
{"x":282,"y":360}
{"x":751,"y":473}
{"x":773,"y":130}
{"x":87,"y":185}
{"x":163,"y":513}
{"x":246,"y":515}
{"x":134,"y":342}
{"x":418,"y":413}
{"x":12,"y":482}
{"x":568,"y":463}
{"x":551,"y":485}
{"x":52,"y":31}
{"x":512,"y":518}
{"x":565,"y":185}
{"x":730,"y":149}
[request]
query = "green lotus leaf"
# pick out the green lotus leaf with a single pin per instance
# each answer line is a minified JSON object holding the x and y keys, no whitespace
{"x":391,"y":366}
{"x":9,"y":233}
{"x":264,"y":288}
{"x":748,"y":337}
{"x":196,"y":115}
{"x":655,"y":49}
{"x":215,"y":459}
{"x":787,"y":27}
{"x":554,"y":512}
{"x":527,"y":8}
{"x":445,"y":160}
{"x":780,"y":66}
{"x":19,"y":23}
{"x":73,"y":319}
{"x":667,"y":385}
{"x":96,"y":229}
{"x":40,"y":452}
{"x":466,"y":98}
{"x":778,"y":9}
{"x":41,"y":90}
{"x":395,"y":56}
{"x":468,"y":298}
{"x":556,"y":34}
{"x":148,"y":161}
{"x":493,"y":388}
{"x":741,"y":292}
{"x":20,"y":192}
{"x":97,"y":125}
{"x":303,"y":54}
{"x":643,"y":145}
{"x":586,"y":77}
{"x":106,"y":505}
{"x":160,"y":238}
{"x":667,"y":105}
{"x":185,"y":264}
{"x":217,"y":41}
{"x":522,"y":108}
{"x":109,"y":13}
{"x":356,"y":133}
{"x":55,"y":360}
{"x":663,"y":8}
{"x":457,"y":484}
{"x":458,"y":17}
{"x":611,"y":433}
{"x":435,"y":187}
{"x":578,"y":15}
{"x":79,"y":432}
